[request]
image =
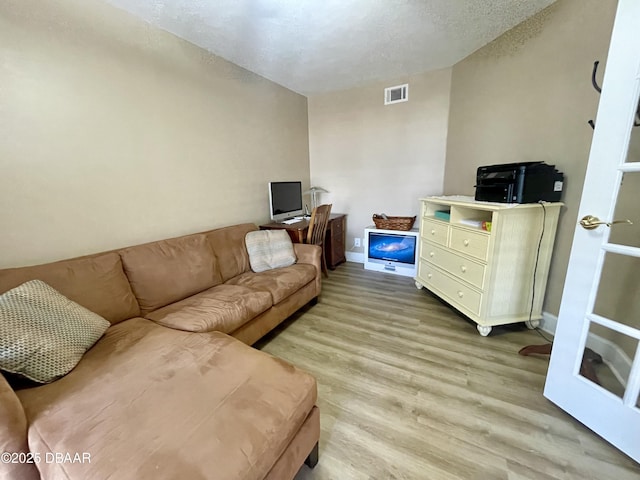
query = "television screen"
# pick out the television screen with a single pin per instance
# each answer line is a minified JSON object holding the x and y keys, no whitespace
{"x":392,"y":247}
{"x":285,"y":199}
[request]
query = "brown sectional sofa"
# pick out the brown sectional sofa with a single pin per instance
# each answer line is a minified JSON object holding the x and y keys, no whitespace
{"x":168,"y":392}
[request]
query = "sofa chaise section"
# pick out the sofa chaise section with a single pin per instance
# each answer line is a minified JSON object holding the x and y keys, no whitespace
{"x":148,"y":402}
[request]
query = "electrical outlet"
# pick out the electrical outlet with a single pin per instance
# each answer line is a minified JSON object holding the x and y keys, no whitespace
{"x":356,"y":242}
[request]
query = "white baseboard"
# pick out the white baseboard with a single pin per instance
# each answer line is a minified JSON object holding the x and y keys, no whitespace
{"x":356,"y":257}
{"x":615,"y":358}
{"x":548,"y":323}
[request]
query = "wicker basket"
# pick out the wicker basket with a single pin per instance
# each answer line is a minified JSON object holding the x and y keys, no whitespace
{"x":394,"y":223}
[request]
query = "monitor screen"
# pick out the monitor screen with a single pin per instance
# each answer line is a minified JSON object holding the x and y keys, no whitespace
{"x":285,"y":199}
{"x":392,"y":247}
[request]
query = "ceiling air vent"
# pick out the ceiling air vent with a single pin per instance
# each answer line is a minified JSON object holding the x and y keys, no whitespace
{"x":397,"y":94}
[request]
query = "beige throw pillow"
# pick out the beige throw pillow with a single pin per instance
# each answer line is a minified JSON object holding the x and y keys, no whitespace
{"x":43,"y":334}
{"x":269,"y":249}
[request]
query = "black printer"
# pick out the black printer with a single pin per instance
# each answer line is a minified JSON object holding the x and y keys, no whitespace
{"x":527,"y":182}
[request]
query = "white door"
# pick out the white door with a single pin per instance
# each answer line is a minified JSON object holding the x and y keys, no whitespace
{"x":600,"y":312}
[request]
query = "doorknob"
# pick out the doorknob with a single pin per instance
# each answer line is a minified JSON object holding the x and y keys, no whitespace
{"x":589,"y":222}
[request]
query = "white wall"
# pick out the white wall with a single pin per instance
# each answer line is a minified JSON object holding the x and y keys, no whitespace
{"x":114,"y":132}
{"x":375,"y":158}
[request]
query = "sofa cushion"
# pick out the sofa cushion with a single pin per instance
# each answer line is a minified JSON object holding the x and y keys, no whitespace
{"x":13,"y":435}
{"x":43,"y":334}
{"x":97,"y":282}
{"x":149,"y":401}
{"x":230,"y":250}
{"x":170,"y":270}
{"x":280,"y":282}
{"x":222,"y":308}
{"x":269,"y":249}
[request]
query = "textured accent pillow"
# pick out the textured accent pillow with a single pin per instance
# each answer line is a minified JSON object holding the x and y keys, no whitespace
{"x":269,"y":249}
{"x":43,"y":334}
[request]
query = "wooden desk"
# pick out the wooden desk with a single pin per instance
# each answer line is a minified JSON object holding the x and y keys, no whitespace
{"x":334,"y":242}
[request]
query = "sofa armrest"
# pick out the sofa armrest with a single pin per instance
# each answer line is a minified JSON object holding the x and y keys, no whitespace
{"x":13,"y":434}
{"x":310,"y":254}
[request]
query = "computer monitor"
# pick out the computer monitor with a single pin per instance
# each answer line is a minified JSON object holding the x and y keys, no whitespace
{"x":285,"y":200}
{"x":392,"y":251}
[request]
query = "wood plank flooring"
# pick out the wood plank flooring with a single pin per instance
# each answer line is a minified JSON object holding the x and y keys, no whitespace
{"x":408,"y":389}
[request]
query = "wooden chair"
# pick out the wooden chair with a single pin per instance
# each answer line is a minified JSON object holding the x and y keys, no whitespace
{"x":318,"y":230}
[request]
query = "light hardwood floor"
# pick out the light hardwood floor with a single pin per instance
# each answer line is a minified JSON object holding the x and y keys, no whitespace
{"x":408,"y":389}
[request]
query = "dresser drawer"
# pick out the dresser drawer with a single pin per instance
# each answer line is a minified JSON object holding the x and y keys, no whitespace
{"x":471,"y":243}
{"x":337,"y":227}
{"x":457,"y":294}
{"x":454,"y":264}
{"x":337,"y":232}
{"x":434,"y":231}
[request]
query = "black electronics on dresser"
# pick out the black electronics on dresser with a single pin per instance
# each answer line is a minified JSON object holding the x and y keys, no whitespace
{"x":527,"y":182}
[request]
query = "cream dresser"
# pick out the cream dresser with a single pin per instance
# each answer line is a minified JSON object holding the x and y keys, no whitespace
{"x":488,"y":275}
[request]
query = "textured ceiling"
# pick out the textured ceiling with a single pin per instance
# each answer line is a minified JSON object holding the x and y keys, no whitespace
{"x":313,"y":46}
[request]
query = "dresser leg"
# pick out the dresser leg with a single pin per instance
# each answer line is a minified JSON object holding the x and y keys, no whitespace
{"x":532,"y":324}
{"x":484,"y":330}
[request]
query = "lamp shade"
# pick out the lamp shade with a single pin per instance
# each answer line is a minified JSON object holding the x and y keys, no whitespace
{"x":314,"y":192}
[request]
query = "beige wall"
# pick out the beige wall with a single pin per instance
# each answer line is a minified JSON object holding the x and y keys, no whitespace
{"x":527,"y":96}
{"x":379,"y":159}
{"x":114,"y":133}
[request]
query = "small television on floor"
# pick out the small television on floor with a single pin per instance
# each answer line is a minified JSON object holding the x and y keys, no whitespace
{"x":285,"y":200}
{"x":391,"y":251}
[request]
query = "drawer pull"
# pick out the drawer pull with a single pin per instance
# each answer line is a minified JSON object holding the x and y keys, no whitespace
{"x":463,"y":268}
{"x":429,"y":275}
{"x":465,"y":242}
{"x":433,"y":232}
{"x":431,"y":254}
{"x":460,"y":294}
